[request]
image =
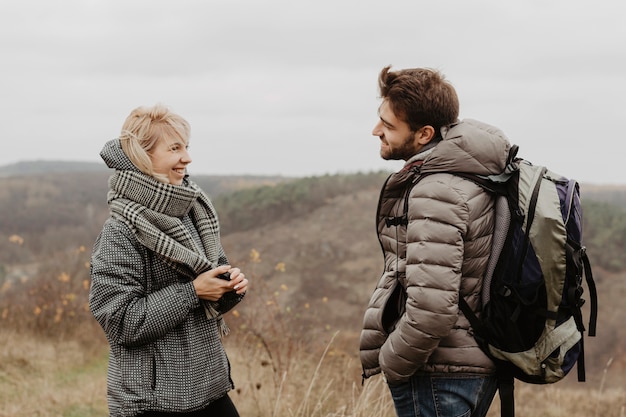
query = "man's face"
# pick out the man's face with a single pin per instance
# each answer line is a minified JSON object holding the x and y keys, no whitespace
{"x":397,"y":141}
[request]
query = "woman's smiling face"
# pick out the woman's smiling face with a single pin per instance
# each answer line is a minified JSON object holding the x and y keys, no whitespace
{"x":170,"y":157}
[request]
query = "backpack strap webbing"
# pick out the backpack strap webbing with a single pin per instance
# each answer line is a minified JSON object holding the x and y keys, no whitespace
{"x":593,"y":293}
{"x":469,"y":315}
{"x":506,"y":388}
{"x":505,"y":379}
{"x":593,"y":314}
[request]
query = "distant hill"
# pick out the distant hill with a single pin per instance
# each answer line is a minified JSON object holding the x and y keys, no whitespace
{"x":218,"y":184}
{"x":613,"y":194}
{"x":35,"y":167}
{"x":47,"y":167}
{"x":95,"y":174}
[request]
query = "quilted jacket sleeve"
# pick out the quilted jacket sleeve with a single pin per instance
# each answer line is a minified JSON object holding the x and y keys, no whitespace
{"x":119,"y":298}
{"x":438,"y":216}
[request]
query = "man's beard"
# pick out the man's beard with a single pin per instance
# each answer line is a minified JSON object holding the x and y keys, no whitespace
{"x":404,"y":152}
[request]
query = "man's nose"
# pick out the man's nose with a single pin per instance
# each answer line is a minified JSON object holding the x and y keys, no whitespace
{"x":378,"y":131}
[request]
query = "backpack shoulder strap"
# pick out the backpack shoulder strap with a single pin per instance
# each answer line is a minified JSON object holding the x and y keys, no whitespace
{"x":593,"y":293}
{"x":469,"y":314}
{"x":506,"y":382}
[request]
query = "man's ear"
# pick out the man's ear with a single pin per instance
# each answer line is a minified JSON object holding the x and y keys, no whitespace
{"x":425,"y":134}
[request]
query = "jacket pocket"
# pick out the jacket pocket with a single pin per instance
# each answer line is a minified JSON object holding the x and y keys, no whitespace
{"x":394,"y":308}
{"x":154,"y":372}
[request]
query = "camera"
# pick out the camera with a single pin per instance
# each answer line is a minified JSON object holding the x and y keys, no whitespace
{"x":225,"y":275}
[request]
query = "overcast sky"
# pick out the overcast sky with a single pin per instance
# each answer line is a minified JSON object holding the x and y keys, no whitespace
{"x":289,"y":87}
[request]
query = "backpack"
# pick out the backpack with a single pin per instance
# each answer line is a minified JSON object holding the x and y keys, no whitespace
{"x":531,"y":323}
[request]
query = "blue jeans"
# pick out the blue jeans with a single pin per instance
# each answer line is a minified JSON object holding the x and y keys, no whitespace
{"x":444,"y":395}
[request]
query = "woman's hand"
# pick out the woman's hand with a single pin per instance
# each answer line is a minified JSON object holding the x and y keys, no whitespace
{"x":209,"y":287}
{"x":239,"y":281}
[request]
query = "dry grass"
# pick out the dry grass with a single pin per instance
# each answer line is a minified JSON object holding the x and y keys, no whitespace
{"x":288,"y":359}
{"x":47,"y":378}
{"x":332,"y":387}
{"x":553,"y":401}
{"x":321,"y":384}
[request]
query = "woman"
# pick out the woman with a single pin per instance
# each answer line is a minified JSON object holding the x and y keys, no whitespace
{"x":160,"y":278}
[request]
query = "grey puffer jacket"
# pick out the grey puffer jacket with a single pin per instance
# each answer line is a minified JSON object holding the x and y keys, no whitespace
{"x":165,"y":353}
{"x":413,"y":323}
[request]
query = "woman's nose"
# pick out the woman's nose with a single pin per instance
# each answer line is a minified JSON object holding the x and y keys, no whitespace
{"x":186,"y":157}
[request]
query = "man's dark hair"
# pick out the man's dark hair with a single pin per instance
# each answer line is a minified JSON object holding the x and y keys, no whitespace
{"x":420,"y":96}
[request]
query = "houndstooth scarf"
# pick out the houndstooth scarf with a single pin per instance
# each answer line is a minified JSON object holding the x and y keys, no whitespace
{"x":154,"y":210}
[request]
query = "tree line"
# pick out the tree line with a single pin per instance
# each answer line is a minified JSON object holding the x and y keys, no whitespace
{"x":52,"y":212}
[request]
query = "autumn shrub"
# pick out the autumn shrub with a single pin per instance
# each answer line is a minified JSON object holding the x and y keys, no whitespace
{"x":286,"y":361}
{"x":52,"y":299}
{"x":266,"y":320}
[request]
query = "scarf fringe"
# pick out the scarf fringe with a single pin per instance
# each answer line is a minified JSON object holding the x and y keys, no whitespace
{"x":212,"y":313}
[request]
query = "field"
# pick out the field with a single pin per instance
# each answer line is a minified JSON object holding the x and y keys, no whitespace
{"x":66,"y":378}
{"x":290,"y":360}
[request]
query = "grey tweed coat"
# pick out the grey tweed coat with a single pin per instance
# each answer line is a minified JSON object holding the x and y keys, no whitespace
{"x":165,"y":353}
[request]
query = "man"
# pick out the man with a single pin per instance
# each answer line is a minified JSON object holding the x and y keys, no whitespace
{"x":435,"y":230}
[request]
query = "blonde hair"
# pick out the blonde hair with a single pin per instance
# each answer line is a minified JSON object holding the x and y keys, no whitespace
{"x":144,"y":127}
